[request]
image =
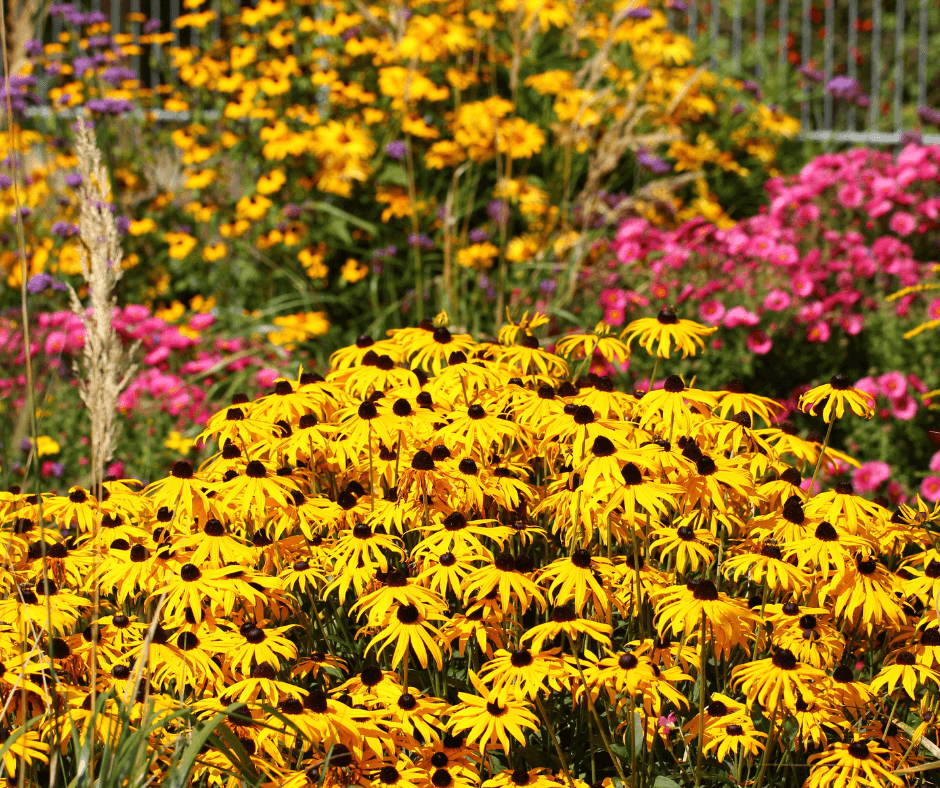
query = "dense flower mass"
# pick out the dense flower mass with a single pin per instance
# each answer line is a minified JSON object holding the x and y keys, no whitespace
{"x":451,"y":562}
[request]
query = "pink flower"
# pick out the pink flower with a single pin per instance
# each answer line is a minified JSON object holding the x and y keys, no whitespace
{"x":265,"y":377}
{"x":802,"y":285}
{"x":930,"y":489}
{"x":818,"y":332}
{"x":712,"y":311}
{"x":853,"y":324}
{"x":933,"y":309}
{"x":904,"y":408}
{"x":869,"y":386}
{"x":116,"y":468}
{"x":615,"y":316}
{"x":55,"y":343}
{"x":667,"y":723}
{"x":777,"y":300}
{"x":851,"y":195}
{"x":739,"y":316}
{"x":935,"y":463}
{"x":758,"y":342}
{"x":893,"y":384}
{"x":135,"y":313}
{"x":902,"y":223}
{"x":201,"y":321}
{"x":157,"y":356}
{"x":870,"y":476}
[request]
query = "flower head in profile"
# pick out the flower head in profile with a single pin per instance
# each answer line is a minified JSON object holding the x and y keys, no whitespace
{"x":666,"y":330}
{"x":838,"y":393}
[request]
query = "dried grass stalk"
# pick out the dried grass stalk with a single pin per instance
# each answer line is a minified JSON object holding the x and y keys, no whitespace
{"x":105,"y":368}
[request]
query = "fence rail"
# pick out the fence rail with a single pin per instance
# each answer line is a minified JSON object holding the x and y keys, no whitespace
{"x":853,"y":71}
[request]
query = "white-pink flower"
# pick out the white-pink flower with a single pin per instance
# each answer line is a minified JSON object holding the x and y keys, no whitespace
{"x":777,"y":300}
{"x":904,"y":408}
{"x":870,"y":476}
{"x":758,"y":342}
{"x":712,"y":311}
{"x":869,"y":385}
{"x":893,"y":384}
{"x":739,"y":316}
{"x":902,"y":223}
{"x":930,"y":489}
{"x":935,"y":462}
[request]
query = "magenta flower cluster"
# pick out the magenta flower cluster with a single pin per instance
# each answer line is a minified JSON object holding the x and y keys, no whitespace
{"x":835,"y":239}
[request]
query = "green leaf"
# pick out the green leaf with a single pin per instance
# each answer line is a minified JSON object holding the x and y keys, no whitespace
{"x":664,"y":782}
{"x":395,"y":174}
{"x":339,"y":213}
{"x":337,"y":227}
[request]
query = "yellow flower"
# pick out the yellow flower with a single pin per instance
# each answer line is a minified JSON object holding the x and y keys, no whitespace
{"x":176,"y":441}
{"x":252,"y":208}
{"x":519,"y":138}
{"x":478,"y":256}
{"x":142,"y":226}
{"x":199,"y":180}
{"x":181,"y":244}
{"x":522,"y":248}
{"x":46,"y":445}
{"x":353,"y":270}
{"x":271,"y":182}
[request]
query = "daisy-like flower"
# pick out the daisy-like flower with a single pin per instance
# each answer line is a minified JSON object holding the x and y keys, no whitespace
{"x":667,"y":330}
{"x":564,"y":619}
{"x":903,"y":670}
{"x":182,"y":492}
{"x":738,"y":734}
{"x":475,"y":430}
{"x":641,"y":494}
{"x":256,"y":492}
{"x":255,"y":643}
{"x":734,"y":399}
{"x":579,"y":577}
{"x":690,"y":545}
{"x":78,"y":508}
{"x":672,"y":406}
{"x":506,"y":577}
{"x":188,"y":588}
{"x":408,"y":629}
{"x":599,"y":341}
{"x":780,"y":678}
{"x":765,"y":562}
{"x":712,"y":481}
{"x":235,"y":425}
{"x":525,"y":357}
{"x":522,"y":674}
{"x":287,"y":402}
{"x":844,"y":508}
{"x":827,"y":550}
{"x":869,"y":591}
{"x":352,"y":356}
{"x":679,"y":609}
{"x":838,"y":393}
{"x":857,"y":763}
{"x":847,"y":692}
{"x":429,"y":350}
{"x":485,"y":719}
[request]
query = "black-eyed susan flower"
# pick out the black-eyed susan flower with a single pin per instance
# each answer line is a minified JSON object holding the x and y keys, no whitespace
{"x":684,"y":547}
{"x":764,"y":562}
{"x":563,"y":620}
{"x":485,"y":719}
{"x":734,"y":399}
{"x":681,"y":609}
{"x":599,"y":341}
{"x":857,"y":763}
{"x":580,"y":577}
{"x":408,"y":629}
{"x":666,"y":330}
{"x":838,"y":393}
{"x":736,"y":735}
{"x":903,"y":670}
{"x":778,"y":679}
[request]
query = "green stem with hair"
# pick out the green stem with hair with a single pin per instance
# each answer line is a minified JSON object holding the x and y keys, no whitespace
{"x":551,"y":732}
{"x":700,"y":756}
{"x":822,"y":455}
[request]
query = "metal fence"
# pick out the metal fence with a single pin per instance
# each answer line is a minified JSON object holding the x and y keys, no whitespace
{"x":878,"y":51}
{"x":789,"y":51}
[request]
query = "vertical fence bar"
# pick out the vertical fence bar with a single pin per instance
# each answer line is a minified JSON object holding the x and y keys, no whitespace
{"x":135,"y":61}
{"x":898,"y":64}
{"x":874,"y":109}
{"x":693,"y":20}
{"x":922,"y":55}
{"x":806,"y":45}
{"x":716,"y":19}
{"x":852,"y":66}
{"x":736,"y":37}
{"x":759,"y":67}
{"x":829,"y":30}
{"x":115,"y":17}
{"x":782,"y":39}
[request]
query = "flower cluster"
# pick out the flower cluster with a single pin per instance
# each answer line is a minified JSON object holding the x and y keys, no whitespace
{"x":438,"y":141}
{"x":453,"y":562}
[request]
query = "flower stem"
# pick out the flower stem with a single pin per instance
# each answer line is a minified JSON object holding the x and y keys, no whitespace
{"x":551,"y":732}
{"x":700,"y":757}
{"x":822,"y":455}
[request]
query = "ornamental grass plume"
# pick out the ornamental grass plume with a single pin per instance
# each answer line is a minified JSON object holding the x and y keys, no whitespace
{"x":104,"y":370}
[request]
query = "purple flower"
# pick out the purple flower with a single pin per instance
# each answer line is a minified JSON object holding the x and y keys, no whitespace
{"x":396,"y":149}
{"x":843,"y":87}
{"x":652,"y":163}
{"x":737,"y":109}
{"x":753,"y":88}
{"x":420,"y":240}
{"x":292,"y":211}
{"x":73,"y":179}
{"x":26,"y":444}
{"x":37,"y":283}
{"x":152,"y":25}
{"x":122,"y":223}
{"x":64,"y":229}
{"x":117,"y":74}
{"x":54,"y":68}
{"x":81,"y":65}
{"x":677,"y":5}
{"x":812,"y":74}
{"x":99,"y":42}
{"x":641,"y":12}
{"x":547,"y":286}
{"x":478,"y":235}
{"x":911,"y":136}
{"x":498,"y":211}
{"x":57,"y":468}
{"x":109,"y":106}
{"x":863,"y":101}
{"x":33,"y":47}
{"x":929,"y":115}
{"x":5,"y":181}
